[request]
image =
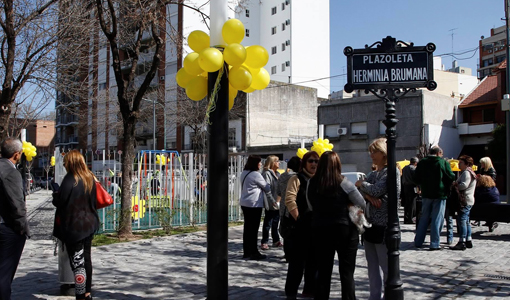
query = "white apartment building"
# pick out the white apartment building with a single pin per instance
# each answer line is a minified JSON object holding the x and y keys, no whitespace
{"x":296,"y":35}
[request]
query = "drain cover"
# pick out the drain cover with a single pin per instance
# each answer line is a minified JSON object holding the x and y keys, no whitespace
{"x":497,"y":276}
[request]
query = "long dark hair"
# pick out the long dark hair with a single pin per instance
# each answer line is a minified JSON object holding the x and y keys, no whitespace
{"x":329,"y":173}
{"x":252,"y":164}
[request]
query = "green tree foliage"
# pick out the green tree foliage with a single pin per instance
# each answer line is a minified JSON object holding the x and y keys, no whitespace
{"x":497,"y":146}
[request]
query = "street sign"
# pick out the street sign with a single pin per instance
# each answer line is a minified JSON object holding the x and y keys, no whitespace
{"x":392,"y":64}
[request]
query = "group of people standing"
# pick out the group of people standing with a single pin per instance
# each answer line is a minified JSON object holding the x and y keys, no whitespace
{"x":444,"y":196}
{"x":76,"y":218}
{"x":315,"y":222}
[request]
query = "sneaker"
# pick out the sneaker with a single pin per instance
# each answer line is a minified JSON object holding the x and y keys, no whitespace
{"x":460,"y":246}
{"x":494,"y":226}
{"x":469,"y":244}
{"x":278,"y":244}
{"x":264,"y":247}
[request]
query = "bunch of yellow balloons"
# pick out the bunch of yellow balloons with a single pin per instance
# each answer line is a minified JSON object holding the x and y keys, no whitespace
{"x":246,"y":64}
{"x":301,"y":152}
{"x":161,"y":160}
{"x":320,"y":146}
{"x":29,"y":150}
{"x":52,"y":161}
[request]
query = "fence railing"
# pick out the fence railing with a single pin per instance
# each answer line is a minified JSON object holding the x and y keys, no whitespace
{"x":169,"y":191}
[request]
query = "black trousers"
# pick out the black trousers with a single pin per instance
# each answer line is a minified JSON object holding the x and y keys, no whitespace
{"x":271,"y":221}
{"x":81,"y":264}
{"x":11,"y":248}
{"x":252,"y":217}
{"x":342,"y":239}
{"x":301,"y":258}
{"x":409,"y":203}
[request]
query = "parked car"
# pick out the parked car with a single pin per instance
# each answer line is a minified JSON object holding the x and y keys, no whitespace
{"x":37,"y":180}
{"x":354,"y":176}
{"x":45,"y":183}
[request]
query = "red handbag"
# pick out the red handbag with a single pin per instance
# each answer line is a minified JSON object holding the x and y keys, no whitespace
{"x":103,"y":198}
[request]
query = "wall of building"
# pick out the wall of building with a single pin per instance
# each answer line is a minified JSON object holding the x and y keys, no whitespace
{"x":280,"y":113}
{"x":450,"y":83}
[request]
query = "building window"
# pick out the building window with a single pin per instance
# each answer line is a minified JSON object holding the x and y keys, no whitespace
{"x":247,"y":32}
{"x":247,"y":13}
{"x":283,"y":26}
{"x":500,"y":58}
{"x":273,"y":70}
{"x":273,"y":30}
{"x":102,"y":86}
{"x":232,"y":137}
{"x":273,"y":50}
{"x":283,"y":6}
{"x":382,"y":128}
{"x":273,"y":11}
{"x":283,"y":46}
{"x":489,"y":115}
{"x":283,"y":67}
{"x":359,"y":128}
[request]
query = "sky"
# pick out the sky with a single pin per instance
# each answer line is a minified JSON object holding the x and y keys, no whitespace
{"x":356,"y":23}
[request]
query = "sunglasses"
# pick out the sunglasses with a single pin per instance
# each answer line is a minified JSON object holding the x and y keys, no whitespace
{"x":313,"y":161}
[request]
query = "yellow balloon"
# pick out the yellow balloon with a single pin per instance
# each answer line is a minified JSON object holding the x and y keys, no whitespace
{"x":233,"y":31}
{"x":204,"y":74}
{"x":29,"y":158}
{"x":253,"y":71}
{"x":197,"y":88}
{"x":261,"y":80}
{"x":234,"y":54}
{"x":210,"y":59}
{"x":301,"y":152}
{"x":198,"y":40}
{"x":240,"y":78}
{"x":183,"y":78}
{"x":249,"y":90}
{"x":191,"y":64}
{"x":256,"y":56}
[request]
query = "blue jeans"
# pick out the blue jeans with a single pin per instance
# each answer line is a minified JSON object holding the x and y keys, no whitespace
{"x":432,"y":209}
{"x":464,"y":227}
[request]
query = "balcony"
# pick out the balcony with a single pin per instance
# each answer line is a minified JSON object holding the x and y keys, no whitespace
{"x":66,"y":120}
{"x":472,"y":129}
{"x":66,"y":140}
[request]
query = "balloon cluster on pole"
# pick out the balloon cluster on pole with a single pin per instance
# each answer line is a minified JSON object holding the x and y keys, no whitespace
{"x":29,"y":150}
{"x":52,"y":161}
{"x":320,"y":146}
{"x":161,"y":160}
{"x":247,"y":71}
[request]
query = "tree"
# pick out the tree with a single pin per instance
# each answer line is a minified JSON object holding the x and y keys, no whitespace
{"x":28,"y":40}
{"x":497,"y":145}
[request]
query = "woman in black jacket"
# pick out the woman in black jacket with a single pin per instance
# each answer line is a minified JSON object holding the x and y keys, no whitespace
{"x":76,"y":219}
{"x":329,"y":194}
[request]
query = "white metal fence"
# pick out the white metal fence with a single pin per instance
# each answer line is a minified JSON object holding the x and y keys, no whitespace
{"x":169,"y":191}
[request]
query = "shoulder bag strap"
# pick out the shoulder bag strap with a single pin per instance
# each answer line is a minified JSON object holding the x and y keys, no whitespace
{"x":306,"y":194}
{"x":242,"y":184}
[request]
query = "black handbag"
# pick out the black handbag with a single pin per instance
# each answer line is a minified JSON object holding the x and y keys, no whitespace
{"x":375,"y":234}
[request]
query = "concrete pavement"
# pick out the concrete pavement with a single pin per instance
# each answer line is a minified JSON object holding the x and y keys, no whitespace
{"x":174,"y":267}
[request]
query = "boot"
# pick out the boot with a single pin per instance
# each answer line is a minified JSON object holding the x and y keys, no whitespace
{"x":459,"y":246}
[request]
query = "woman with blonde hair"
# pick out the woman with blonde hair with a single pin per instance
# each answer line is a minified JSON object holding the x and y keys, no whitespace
{"x":76,"y":219}
{"x":486,"y":168}
{"x":272,"y":215}
{"x":376,"y":193}
{"x":486,"y":192}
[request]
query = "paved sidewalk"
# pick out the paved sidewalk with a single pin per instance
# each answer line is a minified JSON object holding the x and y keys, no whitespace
{"x":175,"y":268}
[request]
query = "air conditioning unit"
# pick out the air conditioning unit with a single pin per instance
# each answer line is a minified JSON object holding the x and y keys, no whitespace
{"x":287,"y":2}
{"x":287,"y":22}
{"x":342,"y":131}
{"x":490,"y":51}
{"x":161,"y":77}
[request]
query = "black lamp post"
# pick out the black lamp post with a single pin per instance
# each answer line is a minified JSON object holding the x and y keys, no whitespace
{"x":390,"y":69}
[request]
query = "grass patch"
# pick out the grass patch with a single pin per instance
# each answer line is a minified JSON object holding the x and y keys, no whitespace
{"x":112,"y":238}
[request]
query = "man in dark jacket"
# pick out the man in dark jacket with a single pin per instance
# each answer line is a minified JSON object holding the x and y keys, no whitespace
{"x":434,"y":176}
{"x":408,"y":191}
{"x":13,"y":213}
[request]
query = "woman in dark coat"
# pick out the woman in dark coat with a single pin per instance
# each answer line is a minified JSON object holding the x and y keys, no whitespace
{"x":330,"y":195}
{"x":76,"y":219}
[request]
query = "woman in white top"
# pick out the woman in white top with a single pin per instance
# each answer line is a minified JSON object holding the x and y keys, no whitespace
{"x":252,"y":202}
